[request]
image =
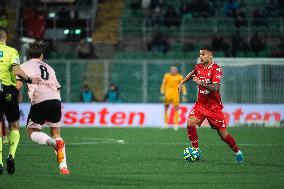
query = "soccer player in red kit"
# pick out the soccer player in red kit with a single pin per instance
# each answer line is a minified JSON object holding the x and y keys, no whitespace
{"x":207,"y":75}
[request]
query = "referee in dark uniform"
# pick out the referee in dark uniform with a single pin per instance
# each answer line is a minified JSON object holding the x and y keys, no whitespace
{"x":9,"y":69}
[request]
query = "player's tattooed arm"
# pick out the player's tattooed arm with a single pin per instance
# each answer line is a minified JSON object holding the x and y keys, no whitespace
{"x":210,"y":87}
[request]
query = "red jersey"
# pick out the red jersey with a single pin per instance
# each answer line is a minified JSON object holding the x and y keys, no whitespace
{"x":211,"y":100}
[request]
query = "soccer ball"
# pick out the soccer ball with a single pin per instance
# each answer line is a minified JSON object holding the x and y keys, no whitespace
{"x":191,"y":154}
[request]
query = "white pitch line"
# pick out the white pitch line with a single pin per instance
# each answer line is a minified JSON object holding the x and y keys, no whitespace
{"x":161,"y":143}
{"x":102,"y":142}
{"x":144,"y":143}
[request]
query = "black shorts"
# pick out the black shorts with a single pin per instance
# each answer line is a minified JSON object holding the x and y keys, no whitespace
{"x":45,"y":111}
{"x":9,"y":103}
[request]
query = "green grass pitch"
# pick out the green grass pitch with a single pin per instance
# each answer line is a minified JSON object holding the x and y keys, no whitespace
{"x":150,"y":158}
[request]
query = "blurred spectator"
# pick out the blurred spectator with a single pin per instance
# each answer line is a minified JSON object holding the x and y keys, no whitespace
{"x":159,"y":43}
{"x":3,"y":17}
{"x":240,"y":19}
{"x":271,"y":8}
{"x":28,"y":15}
{"x":73,"y":11}
{"x":87,"y":95}
{"x":278,"y":51}
{"x":34,"y":22}
{"x":238,"y":44}
{"x":112,"y":95}
{"x":256,"y":44}
{"x":85,"y":50}
{"x":218,"y":44}
{"x":145,"y":5}
{"x":259,"y":17}
{"x":157,"y":16}
{"x":230,"y":8}
{"x":171,"y":17}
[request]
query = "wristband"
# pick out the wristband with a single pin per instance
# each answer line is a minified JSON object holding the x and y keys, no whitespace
{"x":29,"y":80}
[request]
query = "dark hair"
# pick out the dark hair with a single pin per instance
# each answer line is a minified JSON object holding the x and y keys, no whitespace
{"x":207,"y":48}
{"x":35,"y":50}
{"x":173,"y":65}
{"x":3,"y":32}
{"x":114,"y":85}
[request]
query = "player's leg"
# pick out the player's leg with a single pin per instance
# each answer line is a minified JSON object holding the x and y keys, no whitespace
{"x":5,"y":131}
{"x":229,"y":139}
{"x":14,"y":139}
{"x":176,"y":102}
{"x":12,"y":113}
{"x":166,"y":108}
{"x":176,"y":108}
{"x":217,"y":121}
{"x":53,"y":120}
{"x":166,"y":112}
{"x":60,"y":148}
{"x":3,"y":126}
{"x":35,"y":134}
{"x":191,"y":130}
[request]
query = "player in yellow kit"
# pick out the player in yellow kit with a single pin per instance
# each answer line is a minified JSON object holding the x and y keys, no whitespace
{"x":169,"y":93}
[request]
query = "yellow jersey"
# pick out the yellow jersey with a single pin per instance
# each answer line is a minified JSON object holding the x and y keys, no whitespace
{"x":8,"y":57}
{"x":170,"y":83}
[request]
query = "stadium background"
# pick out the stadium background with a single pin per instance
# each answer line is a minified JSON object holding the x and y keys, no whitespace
{"x":132,"y":43}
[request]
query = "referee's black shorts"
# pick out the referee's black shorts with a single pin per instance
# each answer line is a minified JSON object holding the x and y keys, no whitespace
{"x":9,"y":103}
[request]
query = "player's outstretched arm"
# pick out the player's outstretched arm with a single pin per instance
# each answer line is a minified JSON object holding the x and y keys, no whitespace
{"x":21,"y":74}
{"x":188,"y":77}
{"x":164,"y":83}
{"x":162,"y":89}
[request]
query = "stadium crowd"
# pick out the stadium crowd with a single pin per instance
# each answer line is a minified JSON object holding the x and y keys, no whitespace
{"x":164,"y":16}
{"x":161,"y":13}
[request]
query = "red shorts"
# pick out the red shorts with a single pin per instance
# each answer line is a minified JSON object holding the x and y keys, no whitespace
{"x":216,"y":119}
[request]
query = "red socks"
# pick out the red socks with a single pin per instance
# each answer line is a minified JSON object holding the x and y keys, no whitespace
{"x":231,"y":143}
{"x":192,"y":135}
